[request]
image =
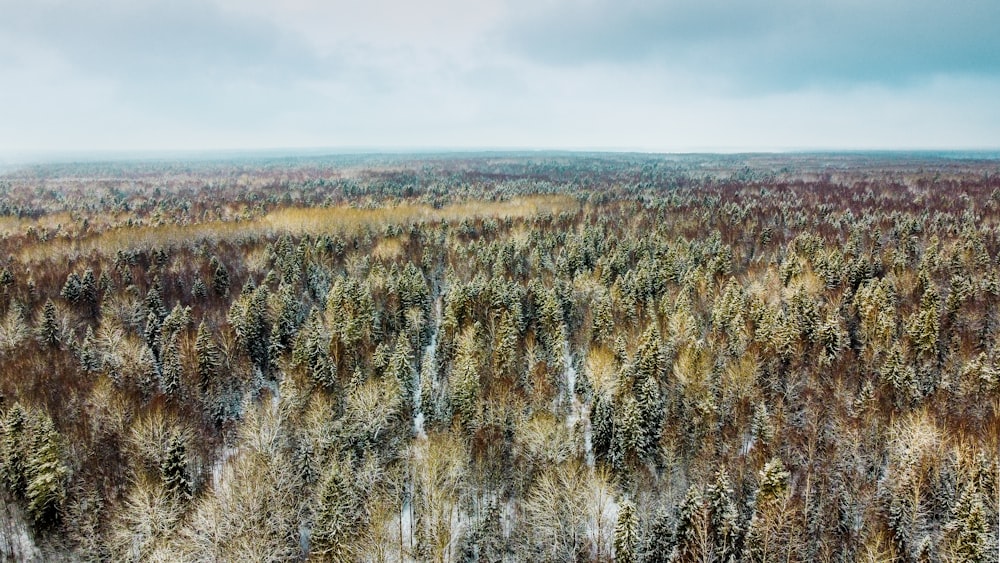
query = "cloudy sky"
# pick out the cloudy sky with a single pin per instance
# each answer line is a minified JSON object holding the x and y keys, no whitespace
{"x":668,"y":75}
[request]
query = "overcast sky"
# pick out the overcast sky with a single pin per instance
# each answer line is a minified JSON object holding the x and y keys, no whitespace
{"x":672,"y":75}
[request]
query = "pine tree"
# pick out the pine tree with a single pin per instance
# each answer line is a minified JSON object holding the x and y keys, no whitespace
{"x":760,"y":426}
{"x":88,"y":291}
{"x":505,"y":352}
{"x":337,"y":514}
{"x":154,"y":301}
{"x":220,"y":277}
{"x":765,"y":524}
{"x":174,"y":469}
{"x":13,"y":449}
{"x":464,"y":380}
{"x":724,"y":518}
{"x":602,"y":324}
{"x":773,"y":481}
{"x":659,"y":543}
{"x":901,"y":378}
{"x":178,"y":320}
{"x":400,"y":369}
{"x":691,"y":541}
{"x":650,"y":405}
{"x":971,"y":529}
{"x":153,"y":333}
{"x":248,"y":316}
{"x":924,"y":325}
{"x":149,"y":373}
{"x":46,"y":474}
{"x":628,"y":430}
{"x":626,"y":533}
{"x":208,"y":357}
{"x":71,"y":290}
{"x":105,"y":284}
{"x":198,"y":289}
{"x":172,"y":367}
{"x":90,"y":355}
{"x":309,"y":352}
{"x":602,"y":425}
{"x":48,"y":330}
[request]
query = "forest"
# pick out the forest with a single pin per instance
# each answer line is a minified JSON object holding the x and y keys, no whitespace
{"x":492,"y":357}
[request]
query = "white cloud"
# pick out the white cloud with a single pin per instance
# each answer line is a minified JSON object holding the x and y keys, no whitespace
{"x":443,"y":73}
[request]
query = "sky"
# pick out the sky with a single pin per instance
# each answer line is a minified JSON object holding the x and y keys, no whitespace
{"x":659,"y":76}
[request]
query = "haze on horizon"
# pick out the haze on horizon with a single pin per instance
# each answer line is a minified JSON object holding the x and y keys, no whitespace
{"x":677,"y":75}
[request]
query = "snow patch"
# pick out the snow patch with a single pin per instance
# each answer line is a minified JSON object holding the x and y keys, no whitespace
{"x":578,"y":414}
{"x":428,"y":365}
{"x":219,"y":467}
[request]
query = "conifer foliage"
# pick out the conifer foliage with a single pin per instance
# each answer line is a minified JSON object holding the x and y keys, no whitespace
{"x":535,"y":357}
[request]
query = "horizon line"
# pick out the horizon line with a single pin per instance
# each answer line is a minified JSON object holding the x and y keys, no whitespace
{"x":66,"y":156}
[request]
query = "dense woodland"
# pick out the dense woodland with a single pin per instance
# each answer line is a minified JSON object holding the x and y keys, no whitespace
{"x":540,"y":357}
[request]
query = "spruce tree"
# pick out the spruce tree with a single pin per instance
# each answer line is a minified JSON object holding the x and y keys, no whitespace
{"x":90,"y":354}
{"x":172,"y":367}
{"x":337,"y":514}
{"x":971,"y":529}
{"x":174,"y":469}
{"x":154,"y":300}
{"x":88,"y":291}
{"x":692,"y":526}
{"x":46,"y":474}
{"x":220,"y":277}
{"x":724,"y":518}
{"x":401,"y":369}
{"x":48,"y":330}
{"x":71,"y":289}
{"x":208,"y":357}
{"x":626,"y":533}
{"x":13,"y":449}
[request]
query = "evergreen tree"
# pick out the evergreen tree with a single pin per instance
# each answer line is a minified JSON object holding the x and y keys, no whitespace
{"x":337,"y":514}
{"x":400,"y":369}
{"x":154,"y":301}
{"x":48,"y":330}
{"x":174,"y":469}
{"x":208,"y":357}
{"x":626,"y":533}
{"x":602,"y":425}
{"x":14,"y":449}
{"x":220,"y":277}
{"x":178,"y":320}
{"x":627,"y":428}
{"x":46,"y":474}
{"x":105,"y":284}
{"x":691,"y":541}
{"x":924,"y":325}
{"x":760,"y":426}
{"x":764,"y":526}
{"x":505,"y":352}
{"x":71,"y":290}
{"x":650,"y":404}
{"x":464,"y":380}
{"x":88,"y":291}
{"x":310,"y":353}
{"x":971,"y":529}
{"x":198,"y":289}
{"x":90,"y":355}
{"x":248,"y":316}
{"x":172,"y":367}
{"x":148,"y":372}
{"x":724,"y":519}
{"x":153,"y":333}
{"x":602,"y":324}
